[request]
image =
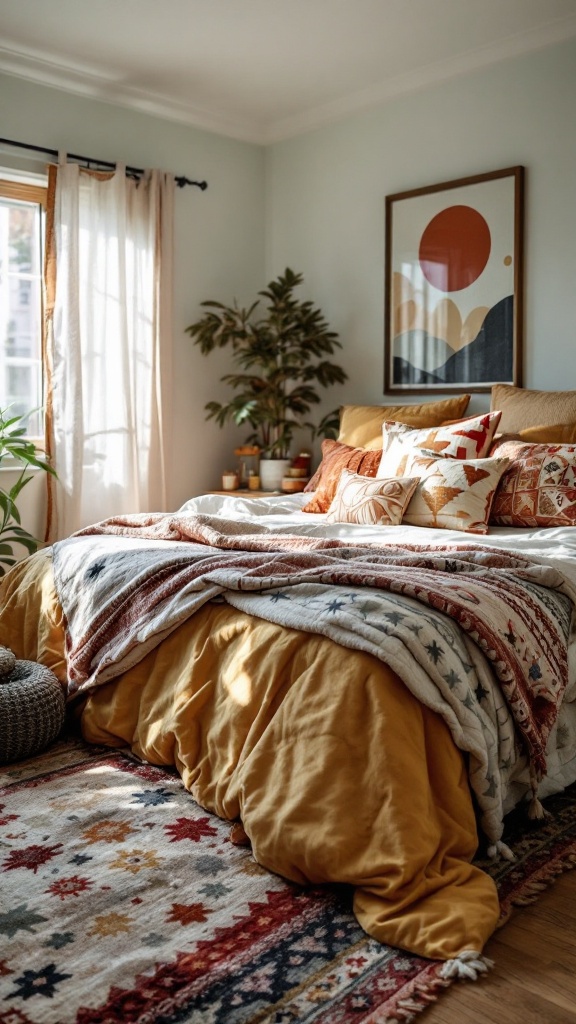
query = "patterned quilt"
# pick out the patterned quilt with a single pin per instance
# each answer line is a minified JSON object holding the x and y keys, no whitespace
{"x":479,"y":635}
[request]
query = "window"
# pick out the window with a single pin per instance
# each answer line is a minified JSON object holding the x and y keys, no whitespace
{"x":21,"y":315}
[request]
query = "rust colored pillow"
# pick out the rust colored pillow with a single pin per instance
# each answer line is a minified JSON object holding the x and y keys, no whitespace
{"x":361,"y":425}
{"x":538,"y":487}
{"x":336,"y":457}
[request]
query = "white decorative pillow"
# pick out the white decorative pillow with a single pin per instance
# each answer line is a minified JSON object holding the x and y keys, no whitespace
{"x":453,"y":494}
{"x":361,"y":499}
{"x":467,"y":439}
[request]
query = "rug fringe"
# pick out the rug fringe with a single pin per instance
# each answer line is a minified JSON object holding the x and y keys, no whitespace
{"x":417,"y":996}
{"x":530,"y":890}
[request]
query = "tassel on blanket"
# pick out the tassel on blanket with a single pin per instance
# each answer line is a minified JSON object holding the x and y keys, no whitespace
{"x":500,"y":849}
{"x":536,"y":812}
{"x":238,"y":836}
{"x":468,"y":966}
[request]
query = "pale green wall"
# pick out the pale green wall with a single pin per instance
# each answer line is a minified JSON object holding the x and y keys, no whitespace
{"x":316,"y":203}
{"x":219,"y":238}
{"x":326,"y":189}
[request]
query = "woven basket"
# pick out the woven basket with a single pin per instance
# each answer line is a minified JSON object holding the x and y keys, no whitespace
{"x":32,"y":707}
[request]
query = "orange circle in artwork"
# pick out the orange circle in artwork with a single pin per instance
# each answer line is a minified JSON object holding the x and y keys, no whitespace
{"x":507,"y":261}
{"x":454,"y":248}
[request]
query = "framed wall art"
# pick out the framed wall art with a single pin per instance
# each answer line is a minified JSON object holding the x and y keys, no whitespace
{"x":453,"y":284}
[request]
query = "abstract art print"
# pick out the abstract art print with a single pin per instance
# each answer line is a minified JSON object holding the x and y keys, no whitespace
{"x":453,"y":286}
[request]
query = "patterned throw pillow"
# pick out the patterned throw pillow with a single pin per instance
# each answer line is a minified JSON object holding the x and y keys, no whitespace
{"x":336,"y":457}
{"x":539,"y":486}
{"x":360,"y":499}
{"x":453,"y":494}
{"x":469,"y":439}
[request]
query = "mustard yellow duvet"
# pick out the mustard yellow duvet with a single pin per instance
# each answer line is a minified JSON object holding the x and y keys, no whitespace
{"x":336,"y":771}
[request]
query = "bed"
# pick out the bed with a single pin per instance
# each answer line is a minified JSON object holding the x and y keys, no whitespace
{"x":367,"y":700}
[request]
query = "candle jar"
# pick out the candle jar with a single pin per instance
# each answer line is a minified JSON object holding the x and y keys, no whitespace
{"x":248,"y":456}
{"x":230,"y":480}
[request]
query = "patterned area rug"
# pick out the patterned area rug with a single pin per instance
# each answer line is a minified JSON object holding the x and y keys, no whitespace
{"x":123,"y":901}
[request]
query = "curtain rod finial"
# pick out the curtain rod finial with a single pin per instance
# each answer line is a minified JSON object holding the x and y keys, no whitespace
{"x":182,"y":181}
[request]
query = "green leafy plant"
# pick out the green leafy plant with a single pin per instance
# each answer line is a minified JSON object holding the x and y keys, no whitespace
{"x":282,"y":356}
{"x":20,"y":453}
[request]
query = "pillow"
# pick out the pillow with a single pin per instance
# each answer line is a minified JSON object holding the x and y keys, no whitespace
{"x":335,"y":458}
{"x":453,"y":494}
{"x":538,"y":487}
{"x":361,"y":425}
{"x":556,"y":433}
{"x":522,"y":409}
{"x":469,"y":439}
{"x":360,"y":499}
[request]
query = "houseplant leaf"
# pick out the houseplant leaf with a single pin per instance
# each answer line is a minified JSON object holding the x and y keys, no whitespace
{"x":18,"y":451}
{"x":281,"y":359}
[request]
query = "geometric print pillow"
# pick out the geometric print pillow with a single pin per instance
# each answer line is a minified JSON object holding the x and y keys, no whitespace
{"x":539,"y":486}
{"x":468,"y":439}
{"x":453,"y":494}
{"x":361,"y":499}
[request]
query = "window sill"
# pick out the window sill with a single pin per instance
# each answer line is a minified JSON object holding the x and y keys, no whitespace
{"x":12,"y":466}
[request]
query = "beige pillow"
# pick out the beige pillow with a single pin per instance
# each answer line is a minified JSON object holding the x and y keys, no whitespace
{"x":361,"y":499}
{"x":523,"y":409}
{"x":468,"y":439}
{"x":361,"y":425}
{"x":453,"y":494}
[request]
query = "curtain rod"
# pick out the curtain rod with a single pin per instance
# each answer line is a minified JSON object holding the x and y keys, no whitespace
{"x":180,"y":180}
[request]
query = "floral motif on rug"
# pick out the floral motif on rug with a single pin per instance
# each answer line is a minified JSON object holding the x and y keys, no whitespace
{"x":122,"y":901}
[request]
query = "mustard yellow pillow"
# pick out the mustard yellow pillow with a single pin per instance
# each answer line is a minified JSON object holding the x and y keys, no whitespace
{"x":557,"y":433}
{"x":523,"y":409}
{"x":361,"y":425}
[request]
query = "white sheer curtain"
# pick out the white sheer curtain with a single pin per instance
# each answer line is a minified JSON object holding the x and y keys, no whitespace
{"x":108,"y":344}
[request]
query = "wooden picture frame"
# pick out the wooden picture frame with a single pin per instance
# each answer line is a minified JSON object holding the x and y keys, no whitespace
{"x":454,"y":285}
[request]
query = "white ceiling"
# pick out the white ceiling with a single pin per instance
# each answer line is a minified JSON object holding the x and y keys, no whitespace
{"x":263,"y":70}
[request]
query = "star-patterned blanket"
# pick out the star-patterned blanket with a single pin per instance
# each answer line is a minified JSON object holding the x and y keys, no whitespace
{"x":479,"y":635}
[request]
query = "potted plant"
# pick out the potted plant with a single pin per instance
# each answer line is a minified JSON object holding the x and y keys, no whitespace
{"x":281,"y":357}
{"x":18,"y":452}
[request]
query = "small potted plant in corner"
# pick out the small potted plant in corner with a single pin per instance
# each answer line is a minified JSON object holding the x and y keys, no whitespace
{"x":19,"y":453}
{"x":282,"y":361}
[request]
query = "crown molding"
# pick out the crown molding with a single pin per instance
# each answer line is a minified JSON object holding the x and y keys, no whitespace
{"x":94,"y":83}
{"x":422,"y":78}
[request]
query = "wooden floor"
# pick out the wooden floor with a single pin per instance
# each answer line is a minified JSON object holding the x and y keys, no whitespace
{"x":534,"y":977}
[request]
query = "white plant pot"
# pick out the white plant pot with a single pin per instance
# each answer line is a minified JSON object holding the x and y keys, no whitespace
{"x":272,"y":472}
